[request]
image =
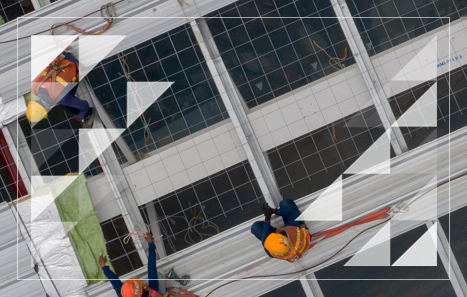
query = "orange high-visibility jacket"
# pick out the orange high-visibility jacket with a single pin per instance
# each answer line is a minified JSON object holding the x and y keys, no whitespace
{"x":299,"y":239}
{"x":55,"y":78}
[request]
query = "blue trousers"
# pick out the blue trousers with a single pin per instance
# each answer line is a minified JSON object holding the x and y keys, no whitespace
{"x":70,"y":100}
{"x":288,"y":216}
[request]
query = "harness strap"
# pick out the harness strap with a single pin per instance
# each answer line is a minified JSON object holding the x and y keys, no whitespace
{"x":52,"y":72}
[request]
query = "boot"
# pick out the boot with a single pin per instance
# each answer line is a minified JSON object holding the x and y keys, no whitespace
{"x":88,"y":121}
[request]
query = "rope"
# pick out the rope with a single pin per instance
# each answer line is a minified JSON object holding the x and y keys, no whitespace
{"x":192,"y":224}
{"x":335,"y":60}
{"x":341,"y":249}
{"x":137,"y":232}
{"x":149,"y":141}
{"x":103,"y":8}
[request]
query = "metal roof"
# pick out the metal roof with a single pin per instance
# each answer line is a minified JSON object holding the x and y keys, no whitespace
{"x":17,"y":275}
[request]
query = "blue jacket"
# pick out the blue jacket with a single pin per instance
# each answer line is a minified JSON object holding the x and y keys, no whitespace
{"x":289,"y":216}
{"x":152,"y":273}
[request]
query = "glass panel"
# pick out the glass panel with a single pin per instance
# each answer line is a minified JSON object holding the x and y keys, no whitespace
{"x":189,"y":105}
{"x":207,"y":207}
{"x":270,"y":50}
{"x":292,"y":289}
{"x":409,"y":287}
{"x":447,"y":122}
{"x":313,"y":161}
{"x":454,"y":228}
{"x":393,"y":31}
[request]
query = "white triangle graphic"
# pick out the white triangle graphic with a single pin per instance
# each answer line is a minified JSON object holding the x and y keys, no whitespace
{"x":423,"y":206}
{"x":327,"y":207}
{"x":422,"y":67}
{"x":369,"y":45}
{"x":93,"y":142}
{"x":423,"y":252}
{"x":41,"y":200}
{"x":44,"y":49}
{"x":260,"y":85}
{"x":92,"y":49}
{"x":315,"y":65}
{"x":141,"y":95}
{"x":376,"y":252}
{"x":423,"y":113}
{"x":375,"y":160}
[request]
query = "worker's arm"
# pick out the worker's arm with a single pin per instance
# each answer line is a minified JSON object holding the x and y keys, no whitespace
{"x":152,"y":267}
{"x":266,"y":231}
{"x":111,"y":276}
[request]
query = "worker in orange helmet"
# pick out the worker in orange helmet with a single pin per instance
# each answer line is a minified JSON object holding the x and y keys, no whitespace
{"x":134,"y":287}
{"x":289,"y":243}
{"x":56,"y":85}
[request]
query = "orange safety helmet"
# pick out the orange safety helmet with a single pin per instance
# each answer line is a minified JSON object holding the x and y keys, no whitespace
{"x":132,"y":288}
{"x":277,"y":244}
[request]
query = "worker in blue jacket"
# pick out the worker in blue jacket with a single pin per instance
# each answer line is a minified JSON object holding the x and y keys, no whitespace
{"x":134,"y":287}
{"x":288,"y":243}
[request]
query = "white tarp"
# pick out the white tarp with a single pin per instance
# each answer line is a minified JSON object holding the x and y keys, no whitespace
{"x":11,"y":110}
{"x":51,"y":248}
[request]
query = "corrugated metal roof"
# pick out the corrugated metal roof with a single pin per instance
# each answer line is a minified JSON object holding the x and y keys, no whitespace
{"x":17,"y":276}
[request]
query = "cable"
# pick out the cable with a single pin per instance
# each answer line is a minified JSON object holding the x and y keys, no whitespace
{"x":67,"y":24}
{"x":340,"y":250}
{"x":336,"y":60}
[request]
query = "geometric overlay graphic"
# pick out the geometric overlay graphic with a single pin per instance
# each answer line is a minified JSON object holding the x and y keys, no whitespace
{"x":422,"y":67}
{"x":93,"y":142}
{"x":40,"y":201}
{"x":327,"y":207}
{"x":44,"y":49}
{"x":376,"y":159}
{"x":376,"y":252}
{"x":423,"y":252}
{"x":93,"y":49}
{"x":423,"y":113}
{"x":141,"y":95}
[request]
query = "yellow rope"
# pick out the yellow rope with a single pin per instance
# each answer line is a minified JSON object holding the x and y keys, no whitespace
{"x":335,"y":60}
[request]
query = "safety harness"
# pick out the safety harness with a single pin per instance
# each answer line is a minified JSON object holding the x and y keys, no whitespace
{"x":52,"y":72}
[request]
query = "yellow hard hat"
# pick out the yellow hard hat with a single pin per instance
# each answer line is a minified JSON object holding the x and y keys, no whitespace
{"x":35,"y":112}
{"x":277,"y":244}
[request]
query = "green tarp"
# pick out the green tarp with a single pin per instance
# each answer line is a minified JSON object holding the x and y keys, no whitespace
{"x":79,"y":218}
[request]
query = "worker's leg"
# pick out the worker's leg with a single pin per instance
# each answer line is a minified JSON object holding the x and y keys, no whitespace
{"x":257,"y":229}
{"x":288,"y":203}
{"x":289,"y":212}
{"x":81,"y":105}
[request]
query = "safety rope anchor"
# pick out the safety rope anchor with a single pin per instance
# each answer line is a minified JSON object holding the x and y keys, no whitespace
{"x":110,"y":14}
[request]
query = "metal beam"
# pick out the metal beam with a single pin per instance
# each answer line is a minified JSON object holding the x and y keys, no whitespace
{"x":449,"y":261}
{"x":123,"y":195}
{"x":120,"y":142}
{"x":233,"y":104}
{"x":311,"y":285}
{"x":369,"y":75}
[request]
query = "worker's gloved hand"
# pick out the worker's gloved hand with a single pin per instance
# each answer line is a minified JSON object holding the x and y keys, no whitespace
{"x":102,"y":261}
{"x":268,"y":211}
{"x":148,"y":237}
